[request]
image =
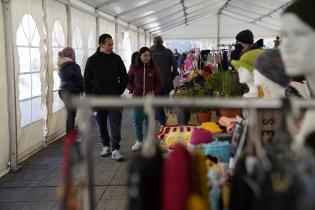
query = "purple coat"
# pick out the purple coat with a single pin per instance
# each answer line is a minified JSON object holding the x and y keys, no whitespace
{"x":144,"y":79}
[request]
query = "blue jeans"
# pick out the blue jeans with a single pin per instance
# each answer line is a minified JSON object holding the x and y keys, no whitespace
{"x":71,"y":112}
{"x":159,"y":111}
{"x":115,"y":117}
{"x":138,"y":118}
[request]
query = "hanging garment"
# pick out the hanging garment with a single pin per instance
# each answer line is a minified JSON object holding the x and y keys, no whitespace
{"x":177,"y":179}
{"x":288,"y":185}
{"x":195,"y":202}
{"x":188,"y":64}
{"x":225,"y":61}
{"x":145,"y":182}
{"x":214,"y":175}
{"x":200,"y":177}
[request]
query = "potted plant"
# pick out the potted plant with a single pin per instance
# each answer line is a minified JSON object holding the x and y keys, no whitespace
{"x":226,"y":84}
{"x":203,"y":114}
{"x":183,"y":114}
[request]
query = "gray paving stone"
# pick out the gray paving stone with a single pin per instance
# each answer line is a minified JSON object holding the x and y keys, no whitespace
{"x":120,"y":193}
{"x":112,"y":205}
{"x":119,"y":182}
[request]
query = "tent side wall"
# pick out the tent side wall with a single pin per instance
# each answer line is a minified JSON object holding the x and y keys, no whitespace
{"x":4,"y":116}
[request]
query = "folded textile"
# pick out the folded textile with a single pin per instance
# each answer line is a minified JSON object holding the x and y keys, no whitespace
{"x":229,"y":123}
{"x":211,"y":126}
{"x":164,"y":131}
{"x":201,"y":136}
{"x":219,"y":149}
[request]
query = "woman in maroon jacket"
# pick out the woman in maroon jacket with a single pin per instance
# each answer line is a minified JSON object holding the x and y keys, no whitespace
{"x":144,"y":78}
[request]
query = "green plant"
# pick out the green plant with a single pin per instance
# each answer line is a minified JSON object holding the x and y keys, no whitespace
{"x":184,"y":92}
{"x":225,"y":84}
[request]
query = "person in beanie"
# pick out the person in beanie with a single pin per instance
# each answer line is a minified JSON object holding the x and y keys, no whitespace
{"x":71,"y":83}
{"x":165,"y":60}
{"x":105,"y":75}
{"x":144,"y":78}
{"x":246,"y":39}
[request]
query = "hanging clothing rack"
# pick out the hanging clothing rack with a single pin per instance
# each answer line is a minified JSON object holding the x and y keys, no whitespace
{"x":149,"y":103}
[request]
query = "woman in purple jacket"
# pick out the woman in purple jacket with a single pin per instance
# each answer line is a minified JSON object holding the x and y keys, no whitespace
{"x":144,"y":78}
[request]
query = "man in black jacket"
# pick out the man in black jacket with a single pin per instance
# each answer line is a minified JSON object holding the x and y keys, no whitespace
{"x":105,"y":75}
{"x":165,"y":60}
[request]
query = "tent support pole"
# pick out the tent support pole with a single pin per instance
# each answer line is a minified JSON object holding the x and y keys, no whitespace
{"x":7,"y":15}
{"x":69,"y":25}
{"x":138,"y":37}
{"x":219,"y":30}
{"x":97,"y":30}
{"x":116,"y":36}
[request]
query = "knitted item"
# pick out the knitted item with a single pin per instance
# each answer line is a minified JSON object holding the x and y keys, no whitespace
{"x":195,"y":202}
{"x":200,"y":177}
{"x":229,"y":123}
{"x":212,"y":127}
{"x":145,"y":182}
{"x":247,"y":60}
{"x":270,"y":65}
{"x":245,"y":36}
{"x":220,"y":150}
{"x":200,"y":136}
{"x":176,"y":138}
{"x":304,"y":9}
{"x":177,"y":179}
{"x":166,"y":130}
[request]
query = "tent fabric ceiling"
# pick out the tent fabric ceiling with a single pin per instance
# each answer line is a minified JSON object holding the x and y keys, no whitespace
{"x":197,"y":18}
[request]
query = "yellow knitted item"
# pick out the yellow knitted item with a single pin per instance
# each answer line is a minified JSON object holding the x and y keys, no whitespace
{"x":177,"y":137}
{"x":195,"y":202}
{"x":200,"y":176}
{"x":211,"y":126}
{"x":226,"y":196}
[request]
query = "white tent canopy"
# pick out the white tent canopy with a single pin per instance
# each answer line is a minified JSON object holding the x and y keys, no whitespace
{"x":187,"y":19}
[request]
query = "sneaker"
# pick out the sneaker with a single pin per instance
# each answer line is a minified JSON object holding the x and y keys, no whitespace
{"x":117,"y":156}
{"x":137,"y":146}
{"x":105,"y":151}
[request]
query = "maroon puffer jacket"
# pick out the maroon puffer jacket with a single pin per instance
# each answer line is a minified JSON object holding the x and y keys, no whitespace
{"x":145,"y":79}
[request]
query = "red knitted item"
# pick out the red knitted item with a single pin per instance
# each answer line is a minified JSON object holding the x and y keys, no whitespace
{"x":177,"y":179}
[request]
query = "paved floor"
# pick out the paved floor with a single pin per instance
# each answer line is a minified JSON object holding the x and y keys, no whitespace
{"x":35,"y":187}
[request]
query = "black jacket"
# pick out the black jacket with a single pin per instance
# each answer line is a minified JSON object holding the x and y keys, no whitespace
{"x":165,"y":60}
{"x":105,"y":74}
{"x":70,"y":76}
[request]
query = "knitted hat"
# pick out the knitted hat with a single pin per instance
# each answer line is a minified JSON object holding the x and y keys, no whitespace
{"x":247,"y":60}
{"x":200,"y":136}
{"x":304,"y":9}
{"x":177,"y":179}
{"x":245,"y":36}
{"x":67,"y":52}
{"x":270,"y":65}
